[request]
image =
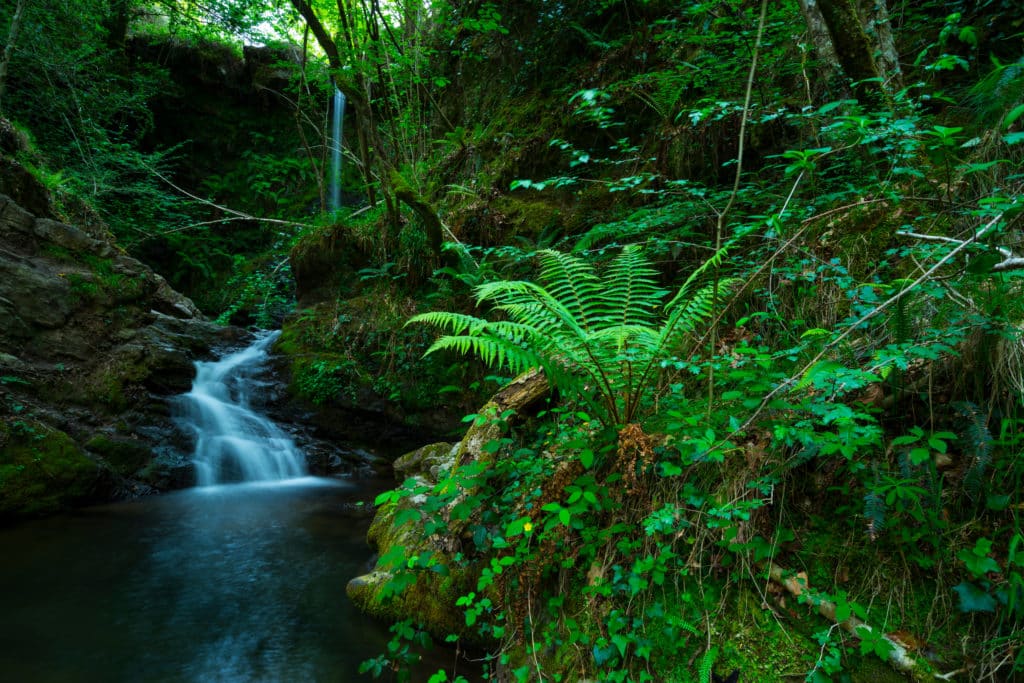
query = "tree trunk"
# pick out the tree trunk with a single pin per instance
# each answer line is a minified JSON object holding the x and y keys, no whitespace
{"x":874,"y":16}
{"x":116,"y":23}
{"x":820,"y":37}
{"x":12,"y":39}
{"x":854,"y":51}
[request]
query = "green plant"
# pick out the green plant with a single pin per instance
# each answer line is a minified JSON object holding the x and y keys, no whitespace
{"x":600,"y":340}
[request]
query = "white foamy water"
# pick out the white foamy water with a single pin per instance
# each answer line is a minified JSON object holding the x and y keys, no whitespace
{"x":234,"y":442}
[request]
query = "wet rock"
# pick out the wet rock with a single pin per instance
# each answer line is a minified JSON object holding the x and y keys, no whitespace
{"x":431,"y":598}
{"x":92,"y":345}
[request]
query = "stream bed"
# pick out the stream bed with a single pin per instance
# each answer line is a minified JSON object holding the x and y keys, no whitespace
{"x":226,"y":583}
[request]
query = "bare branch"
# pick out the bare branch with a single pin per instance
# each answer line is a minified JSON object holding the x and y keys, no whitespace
{"x":1009,"y":262}
{"x":240,"y":215}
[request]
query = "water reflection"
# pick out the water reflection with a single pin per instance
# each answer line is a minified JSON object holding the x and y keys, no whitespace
{"x":239,"y":583}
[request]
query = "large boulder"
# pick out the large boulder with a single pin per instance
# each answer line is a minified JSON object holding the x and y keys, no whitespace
{"x":400,"y":527}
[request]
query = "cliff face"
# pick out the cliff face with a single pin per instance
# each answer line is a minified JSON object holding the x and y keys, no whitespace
{"x":91,"y":343}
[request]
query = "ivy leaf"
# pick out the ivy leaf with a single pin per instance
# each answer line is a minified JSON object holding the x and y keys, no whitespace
{"x":974,"y":599}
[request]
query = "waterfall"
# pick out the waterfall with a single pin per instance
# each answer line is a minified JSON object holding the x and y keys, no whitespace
{"x":337,"y":123}
{"x":233,"y":442}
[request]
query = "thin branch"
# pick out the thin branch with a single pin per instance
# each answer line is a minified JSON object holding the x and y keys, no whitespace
{"x":1009,"y":262}
{"x":720,"y":223}
{"x":854,"y":326}
{"x":241,"y":215}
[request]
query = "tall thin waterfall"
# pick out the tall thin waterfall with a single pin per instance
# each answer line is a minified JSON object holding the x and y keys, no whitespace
{"x":337,"y":124}
{"x":234,"y":443}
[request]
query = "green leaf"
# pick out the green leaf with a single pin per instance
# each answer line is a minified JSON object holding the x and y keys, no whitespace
{"x":977,"y":559}
{"x":982,"y":263}
{"x":516,"y":527}
{"x":1014,"y":114}
{"x":919,"y":456}
{"x":587,"y":458}
{"x":973,"y":598}
{"x":1013,"y":138}
{"x":843,"y":611}
{"x":387,"y":497}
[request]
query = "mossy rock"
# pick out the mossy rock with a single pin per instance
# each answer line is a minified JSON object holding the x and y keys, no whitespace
{"x":114,"y":383}
{"x":431,"y":598}
{"x":425,"y":460}
{"x":42,"y":470}
{"x":124,"y":455}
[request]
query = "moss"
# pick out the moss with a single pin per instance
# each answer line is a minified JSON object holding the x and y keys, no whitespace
{"x":359,"y":355}
{"x":125,"y":456}
{"x":431,"y":598}
{"x":424,"y":460}
{"x":41,"y":469}
{"x":112,"y":384}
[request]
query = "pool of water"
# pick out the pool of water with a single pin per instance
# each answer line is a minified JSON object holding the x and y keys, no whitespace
{"x":227,"y":583}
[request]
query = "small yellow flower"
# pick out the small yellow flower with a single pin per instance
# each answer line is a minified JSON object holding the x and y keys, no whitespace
{"x":527,"y":527}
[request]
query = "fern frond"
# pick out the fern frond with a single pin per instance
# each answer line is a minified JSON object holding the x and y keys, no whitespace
{"x":456,"y":323}
{"x":531,"y":304}
{"x":572,"y":281}
{"x":495,"y":351}
{"x":631,"y":294}
{"x":874,"y":514}
{"x":706,"y":663}
{"x":599,"y":339}
{"x":714,"y":262}
{"x":686,"y":314}
{"x":976,"y":440}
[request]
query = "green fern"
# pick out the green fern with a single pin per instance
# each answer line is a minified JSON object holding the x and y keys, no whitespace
{"x":706,"y":663}
{"x":977,"y":439}
{"x":600,"y":339}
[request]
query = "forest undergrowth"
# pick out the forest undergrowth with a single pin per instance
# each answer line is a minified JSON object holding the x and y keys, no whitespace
{"x":780,"y":313}
{"x":818,"y":431}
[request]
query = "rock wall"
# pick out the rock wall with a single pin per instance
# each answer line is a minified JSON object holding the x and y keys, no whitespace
{"x":92,"y":342}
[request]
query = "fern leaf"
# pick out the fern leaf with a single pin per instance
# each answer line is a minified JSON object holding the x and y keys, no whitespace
{"x":874,"y":513}
{"x":571,"y":281}
{"x":714,"y":262}
{"x":977,"y":440}
{"x":685,"y":315}
{"x":494,"y":351}
{"x":631,"y":294}
{"x":706,"y":663}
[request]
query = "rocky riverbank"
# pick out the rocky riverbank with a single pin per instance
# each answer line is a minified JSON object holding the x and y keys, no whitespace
{"x":92,"y":342}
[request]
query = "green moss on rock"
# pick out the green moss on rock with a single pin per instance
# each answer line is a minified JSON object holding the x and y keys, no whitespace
{"x":124,"y":455}
{"x":431,"y":598}
{"x":41,"y":469}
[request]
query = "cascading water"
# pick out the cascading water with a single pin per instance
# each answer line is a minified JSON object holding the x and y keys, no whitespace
{"x":337,"y":123}
{"x":234,"y":443}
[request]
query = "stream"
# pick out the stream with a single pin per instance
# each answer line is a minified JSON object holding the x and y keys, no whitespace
{"x":222,"y":582}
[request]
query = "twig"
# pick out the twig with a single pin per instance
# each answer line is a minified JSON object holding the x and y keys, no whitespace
{"x":797,"y":586}
{"x":241,"y":215}
{"x":952,"y":240}
{"x":720,"y":223}
{"x":854,"y":326}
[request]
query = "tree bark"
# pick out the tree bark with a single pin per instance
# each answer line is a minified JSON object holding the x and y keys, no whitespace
{"x":855,"y":51}
{"x":874,"y":16}
{"x":12,"y":39}
{"x":820,"y":37}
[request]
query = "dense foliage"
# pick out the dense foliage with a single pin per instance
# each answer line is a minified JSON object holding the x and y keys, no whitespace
{"x":781,"y":311}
